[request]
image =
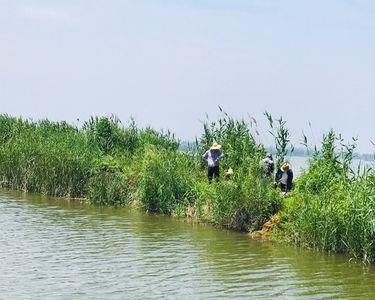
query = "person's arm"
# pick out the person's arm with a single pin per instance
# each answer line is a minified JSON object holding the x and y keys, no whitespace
{"x":278,"y":176}
{"x":290,"y":180}
{"x":276,"y":181}
{"x":220,"y":156}
{"x":205,"y":155}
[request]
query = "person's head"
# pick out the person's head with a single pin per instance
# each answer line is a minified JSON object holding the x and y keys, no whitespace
{"x":229,"y":173}
{"x":269,"y":155}
{"x":215,"y":147}
{"x":285,"y":166}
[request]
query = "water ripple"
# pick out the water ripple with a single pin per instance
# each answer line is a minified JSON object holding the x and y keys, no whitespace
{"x":53,"y":249}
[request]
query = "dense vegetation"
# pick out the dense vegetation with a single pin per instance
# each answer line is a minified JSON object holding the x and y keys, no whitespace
{"x":111,"y":164}
{"x":331,"y":207}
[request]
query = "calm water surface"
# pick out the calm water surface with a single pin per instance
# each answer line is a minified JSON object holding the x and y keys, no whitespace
{"x":299,"y":163}
{"x":58,"y":249}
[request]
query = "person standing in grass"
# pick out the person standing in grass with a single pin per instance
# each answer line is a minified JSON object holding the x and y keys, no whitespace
{"x":284,"y":177}
{"x":212,"y":157}
{"x":269,"y":165}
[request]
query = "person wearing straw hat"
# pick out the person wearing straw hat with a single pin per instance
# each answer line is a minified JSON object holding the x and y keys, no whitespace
{"x":229,"y":174}
{"x":212,"y":157}
{"x":284,"y":177}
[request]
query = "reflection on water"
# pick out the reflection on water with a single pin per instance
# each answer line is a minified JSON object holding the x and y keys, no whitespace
{"x":59,"y":249}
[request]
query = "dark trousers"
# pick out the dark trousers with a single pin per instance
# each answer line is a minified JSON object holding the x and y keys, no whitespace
{"x":213,"y":172}
{"x":283,"y":187}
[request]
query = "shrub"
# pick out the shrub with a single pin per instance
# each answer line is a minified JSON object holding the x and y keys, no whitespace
{"x":166,"y":180}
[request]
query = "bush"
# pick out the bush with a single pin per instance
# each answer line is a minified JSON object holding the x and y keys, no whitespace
{"x":50,"y":158}
{"x":333,"y":209}
{"x":243,"y":203}
{"x":106,"y":188}
{"x":166,"y":180}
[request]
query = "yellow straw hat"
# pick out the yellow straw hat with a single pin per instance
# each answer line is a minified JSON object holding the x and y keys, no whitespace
{"x":215,"y":146}
{"x":285,"y":165}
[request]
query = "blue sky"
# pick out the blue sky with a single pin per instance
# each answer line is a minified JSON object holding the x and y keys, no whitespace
{"x":167,"y":63}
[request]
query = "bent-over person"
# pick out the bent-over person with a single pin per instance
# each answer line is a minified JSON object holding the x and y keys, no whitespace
{"x":284,"y":177}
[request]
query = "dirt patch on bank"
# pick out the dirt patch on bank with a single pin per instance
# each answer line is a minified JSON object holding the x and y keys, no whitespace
{"x":266,"y":228}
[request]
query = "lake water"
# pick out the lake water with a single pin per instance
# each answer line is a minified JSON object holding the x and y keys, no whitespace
{"x":299,"y":163}
{"x":59,"y":249}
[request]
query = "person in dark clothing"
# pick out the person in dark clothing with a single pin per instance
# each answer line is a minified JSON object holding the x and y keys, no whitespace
{"x":212,"y":157}
{"x":270,"y":165}
{"x":284,"y":177}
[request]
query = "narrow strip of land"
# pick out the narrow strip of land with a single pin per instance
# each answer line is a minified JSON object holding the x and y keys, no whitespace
{"x":329,"y":206}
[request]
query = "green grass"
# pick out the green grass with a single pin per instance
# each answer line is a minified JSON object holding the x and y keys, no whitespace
{"x":50,"y":158}
{"x":112,"y":164}
{"x":331,"y":207}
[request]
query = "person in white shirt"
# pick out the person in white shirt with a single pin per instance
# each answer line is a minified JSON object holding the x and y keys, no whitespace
{"x":213,"y":156}
{"x":284,"y":177}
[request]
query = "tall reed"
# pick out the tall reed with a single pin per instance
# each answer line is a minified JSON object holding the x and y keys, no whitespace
{"x":332,"y":207}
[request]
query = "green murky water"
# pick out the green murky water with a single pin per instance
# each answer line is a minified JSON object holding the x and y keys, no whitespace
{"x":57,"y":249}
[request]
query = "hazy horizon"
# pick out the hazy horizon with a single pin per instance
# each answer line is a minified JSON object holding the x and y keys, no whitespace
{"x":168,"y":63}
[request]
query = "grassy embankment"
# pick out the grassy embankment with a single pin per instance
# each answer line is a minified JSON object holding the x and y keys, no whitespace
{"x":110,"y":164}
{"x":331,"y":207}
